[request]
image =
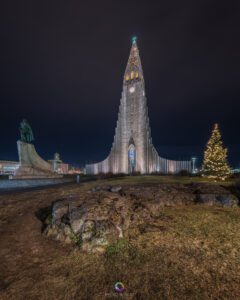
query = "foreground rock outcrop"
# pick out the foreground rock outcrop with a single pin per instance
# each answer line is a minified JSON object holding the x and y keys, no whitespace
{"x":105,"y":214}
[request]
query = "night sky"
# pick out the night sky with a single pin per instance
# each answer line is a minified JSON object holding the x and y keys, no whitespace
{"x":62,"y":65}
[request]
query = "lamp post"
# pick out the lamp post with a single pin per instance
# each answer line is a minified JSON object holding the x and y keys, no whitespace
{"x":194,"y":165}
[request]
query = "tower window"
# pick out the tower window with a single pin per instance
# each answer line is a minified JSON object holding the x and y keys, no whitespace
{"x":127,"y":77}
{"x":132,"y":75}
{"x":136,"y":74}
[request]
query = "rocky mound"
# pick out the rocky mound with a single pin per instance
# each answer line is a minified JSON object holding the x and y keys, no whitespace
{"x":106,"y":214}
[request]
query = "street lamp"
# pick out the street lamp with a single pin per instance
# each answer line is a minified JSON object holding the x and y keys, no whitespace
{"x":194,"y":171}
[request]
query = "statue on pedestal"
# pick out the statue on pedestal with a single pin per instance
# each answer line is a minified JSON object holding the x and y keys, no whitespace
{"x":26,"y":132}
{"x":32,"y":166}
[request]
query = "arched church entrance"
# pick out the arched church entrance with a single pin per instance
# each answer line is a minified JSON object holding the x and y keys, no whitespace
{"x":131,"y":159}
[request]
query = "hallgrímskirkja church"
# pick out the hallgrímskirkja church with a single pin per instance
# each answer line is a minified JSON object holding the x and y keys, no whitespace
{"x":132,"y":149}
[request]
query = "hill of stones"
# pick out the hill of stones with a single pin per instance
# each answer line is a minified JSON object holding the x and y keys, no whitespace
{"x":105,"y":214}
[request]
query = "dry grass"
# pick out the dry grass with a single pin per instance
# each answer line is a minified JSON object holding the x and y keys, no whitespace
{"x":163,"y":179}
{"x":191,"y":252}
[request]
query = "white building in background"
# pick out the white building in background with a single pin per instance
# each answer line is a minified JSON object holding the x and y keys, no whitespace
{"x":58,"y":165}
{"x":132,"y":149}
{"x":75,"y":170}
{"x":8,"y":167}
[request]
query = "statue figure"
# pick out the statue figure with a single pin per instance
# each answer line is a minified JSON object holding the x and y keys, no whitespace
{"x":26,"y":132}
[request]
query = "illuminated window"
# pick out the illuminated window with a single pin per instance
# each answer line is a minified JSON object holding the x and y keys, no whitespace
{"x":132,"y":75}
{"x":131,"y":158}
{"x":136,"y":74}
{"x":127,"y":77}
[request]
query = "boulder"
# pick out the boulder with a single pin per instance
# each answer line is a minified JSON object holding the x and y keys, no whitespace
{"x":115,"y":189}
{"x":95,"y":189}
{"x":98,"y":219}
{"x":227,"y":200}
{"x":60,"y":208}
{"x":76,"y":220}
{"x":208,"y":199}
{"x":88,"y":230}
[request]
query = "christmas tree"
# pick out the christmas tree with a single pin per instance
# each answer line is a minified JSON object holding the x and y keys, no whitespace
{"x":215,"y":164}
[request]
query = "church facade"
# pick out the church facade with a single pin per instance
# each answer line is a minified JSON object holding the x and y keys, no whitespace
{"x":132,"y":149}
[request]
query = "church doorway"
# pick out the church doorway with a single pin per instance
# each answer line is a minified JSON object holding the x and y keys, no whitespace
{"x":131,"y":159}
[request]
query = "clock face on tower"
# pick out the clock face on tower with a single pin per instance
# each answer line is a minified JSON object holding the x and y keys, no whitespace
{"x":132,"y":89}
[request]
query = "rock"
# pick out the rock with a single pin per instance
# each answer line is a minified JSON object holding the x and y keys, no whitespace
{"x":76,"y":220}
{"x":94,"y":220}
{"x":228,"y":200}
{"x":101,"y":188}
{"x":207,"y":193}
{"x":60,"y":208}
{"x":115,"y":189}
{"x":49,"y":231}
{"x":120,"y":231}
{"x":105,"y":187}
{"x":67,"y":230}
{"x":88,"y":230}
{"x":208,"y":199}
{"x":105,"y":230}
{"x":61,"y":237}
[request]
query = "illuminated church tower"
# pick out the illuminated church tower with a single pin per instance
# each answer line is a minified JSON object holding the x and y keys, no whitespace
{"x":132,"y":149}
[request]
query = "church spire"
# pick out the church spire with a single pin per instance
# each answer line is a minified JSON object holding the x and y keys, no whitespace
{"x":134,"y":67}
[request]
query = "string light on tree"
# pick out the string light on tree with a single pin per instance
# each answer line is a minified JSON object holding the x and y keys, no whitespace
{"x":215,"y":164}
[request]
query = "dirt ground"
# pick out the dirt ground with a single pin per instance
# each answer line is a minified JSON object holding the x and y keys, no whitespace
{"x":196,"y":256}
{"x":25,"y":255}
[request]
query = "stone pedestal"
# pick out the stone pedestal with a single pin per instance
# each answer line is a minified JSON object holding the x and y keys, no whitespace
{"x":32,"y":166}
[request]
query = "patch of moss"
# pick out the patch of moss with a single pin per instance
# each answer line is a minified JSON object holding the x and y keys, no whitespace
{"x":76,"y":238}
{"x":125,"y":252}
{"x":119,"y":247}
{"x":49,"y":219}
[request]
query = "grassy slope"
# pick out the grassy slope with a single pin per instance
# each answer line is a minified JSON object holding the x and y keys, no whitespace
{"x":163,"y":179}
{"x":193,"y":253}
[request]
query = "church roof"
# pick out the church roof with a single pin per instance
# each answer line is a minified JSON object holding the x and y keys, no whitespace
{"x":134,"y":67}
